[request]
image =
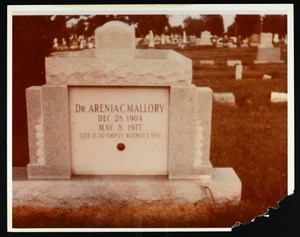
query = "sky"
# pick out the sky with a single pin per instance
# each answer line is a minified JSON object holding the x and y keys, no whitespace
{"x":176,"y":20}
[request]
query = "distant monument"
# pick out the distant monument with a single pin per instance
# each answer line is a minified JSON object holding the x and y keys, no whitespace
{"x":254,"y":40}
{"x":151,"y":40}
{"x":276,"y":38}
{"x":184,"y":40}
{"x":123,"y":44}
{"x":266,"y":53}
{"x":205,"y":39}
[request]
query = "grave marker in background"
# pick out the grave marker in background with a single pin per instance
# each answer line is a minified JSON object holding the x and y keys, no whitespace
{"x":238,"y":71}
{"x":204,"y":40}
{"x":266,"y":53}
{"x":123,"y":44}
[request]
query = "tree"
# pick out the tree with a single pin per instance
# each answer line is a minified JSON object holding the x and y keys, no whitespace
{"x":232,"y":29}
{"x":57,"y":28}
{"x":213,"y":23}
{"x":175,"y":30}
{"x":157,"y":23}
{"x":275,"y":24}
{"x":193,"y":25}
{"x":93,"y":22}
{"x":246,"y":25}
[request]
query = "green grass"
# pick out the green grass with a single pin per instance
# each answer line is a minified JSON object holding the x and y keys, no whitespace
{"x":251,"y":138}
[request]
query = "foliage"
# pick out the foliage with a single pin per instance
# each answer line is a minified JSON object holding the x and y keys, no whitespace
{"x":213,"y":23}
{"x":193,"y":26}
{"x":157,"y":23}
{"x":245,"y":25}
{"x":143,"y":23}
{"x":275,"y":24}
{"x":175,"y":30}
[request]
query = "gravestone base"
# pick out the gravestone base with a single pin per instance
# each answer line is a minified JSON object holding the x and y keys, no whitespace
{"x":268,"y":55}
{"x":225,"y":187}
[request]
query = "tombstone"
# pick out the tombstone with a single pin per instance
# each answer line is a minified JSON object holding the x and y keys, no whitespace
{"x":74,"y":45}
{"x":278,"y":97}
{"x":266,"y":53}
{"x":137,"y":124}
{"x":234,"y":39}
{"x":157,"y":39}
{"x":226,"y":98}
{"x":81,"y":45}
{"x":276,"y":38}
{"x":168,"y":40}
{"x":285,"y":39}
{"x":207,"y":62}
{"x":193,"y":39}
{"x":146,"y":39}
{"x":90,"y":43}
{"x":163,"y":39}
{"x":184,"y":40}
{"x":151,"y":40}
{"x":238,"y":72}
{"x":219,"y":43}
{"x":245,"y":43}
{"x":230,"y":45}
{"x":266,"y":40}
{"x":64,"y":44}
{"x":254,"y":40}
{"x":123,"y":44}
{"x":233,"y":63}
{"x":266,"y":77}
{"x":55,"y":43}
{"x":205,"y":39}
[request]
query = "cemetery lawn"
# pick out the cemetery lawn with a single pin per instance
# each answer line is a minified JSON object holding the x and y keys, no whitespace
{"x":250,"y":137}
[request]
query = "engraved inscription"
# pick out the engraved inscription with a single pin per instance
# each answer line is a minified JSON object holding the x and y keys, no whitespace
{"x":105,"y":121}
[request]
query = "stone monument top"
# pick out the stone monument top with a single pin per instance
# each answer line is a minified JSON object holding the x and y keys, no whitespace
{"x":115,"y":61}
{"x":266,"y":40}
{"x":205,"y":35}
{"x":115,"y":39}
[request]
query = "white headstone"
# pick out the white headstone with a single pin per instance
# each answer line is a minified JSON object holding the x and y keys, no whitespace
{"x":226,"y":98}
{"x":277,"y":97}
{"x":163,"y":39}
{"x":205,"y":39}
{"x":207,"y":62}
{"x":115,"y":39}
{"x":266,"y":40}
{"x":238,"y":71}
{"x":151,"y":40}
{"x":81,"y":46}
{"x":184,"y":40}
{"x":234,"y":39}
{"x":168,"y":40}
{"x":232,"y":63}
{"x":205,"y":35}
{"x":285,"y":39}
{"x":55,"y":43}
{"x":276,"y":38}
{"x":64,"y":44}
{"x":266,"y":77}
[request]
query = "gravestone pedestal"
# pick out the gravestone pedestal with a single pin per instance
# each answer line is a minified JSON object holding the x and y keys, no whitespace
{"x":266,"y":53}
{"x":109,"y":117}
